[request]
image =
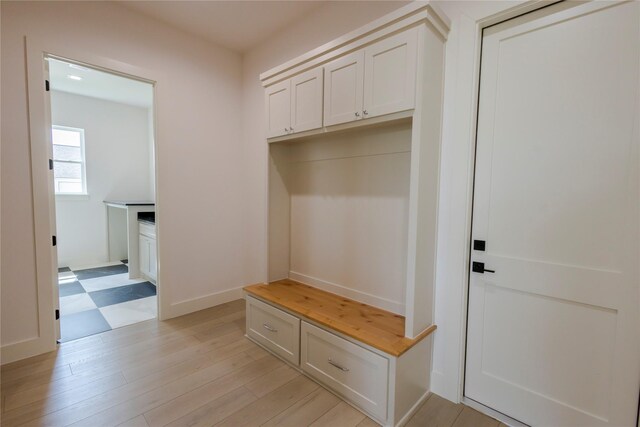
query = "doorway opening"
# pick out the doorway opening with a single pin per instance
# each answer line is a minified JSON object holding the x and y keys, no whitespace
{"x":104,"y":185}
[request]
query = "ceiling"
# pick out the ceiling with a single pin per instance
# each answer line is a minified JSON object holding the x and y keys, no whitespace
{"x":66,"y":77}
{"x":237,"y":25}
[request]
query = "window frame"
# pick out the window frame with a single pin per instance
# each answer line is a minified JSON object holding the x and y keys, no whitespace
{"x":82,"y":163}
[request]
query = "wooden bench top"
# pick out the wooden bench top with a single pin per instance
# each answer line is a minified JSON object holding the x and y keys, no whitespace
{"x":378,"y":328}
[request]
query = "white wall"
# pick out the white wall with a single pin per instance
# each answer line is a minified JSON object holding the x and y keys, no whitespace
{"x":199,"y":156}
{"x":118,"y":164}
{"x":349,"y":210}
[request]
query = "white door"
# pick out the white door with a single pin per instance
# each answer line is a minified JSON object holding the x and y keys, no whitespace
{"x":343,"y":85}
{"x":553,"y":332}
{"x":306,"y":101}
{"x":390,"y":74}
{"x":278,"y":100}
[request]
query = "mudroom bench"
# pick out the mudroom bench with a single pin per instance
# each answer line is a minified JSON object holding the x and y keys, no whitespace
{"x":358,"y":351}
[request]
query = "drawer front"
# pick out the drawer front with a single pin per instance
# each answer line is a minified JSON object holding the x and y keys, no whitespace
{"x":275,"y":329}
{"x":147,"y":229}
{"x":358,"y":374}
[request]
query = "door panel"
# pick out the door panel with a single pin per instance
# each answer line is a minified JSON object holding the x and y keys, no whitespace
{"x":344,"y":79}
{"x":553,"y":334}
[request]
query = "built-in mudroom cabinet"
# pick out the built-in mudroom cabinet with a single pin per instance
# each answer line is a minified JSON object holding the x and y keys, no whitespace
{"x":353,"y":129}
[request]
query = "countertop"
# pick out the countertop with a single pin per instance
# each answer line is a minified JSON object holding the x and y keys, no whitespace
{"x":130,"y":202}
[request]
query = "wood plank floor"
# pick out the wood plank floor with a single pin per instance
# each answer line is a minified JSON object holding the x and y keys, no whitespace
{"x":195,"y":370}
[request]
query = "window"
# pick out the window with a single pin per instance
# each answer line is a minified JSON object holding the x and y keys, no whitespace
{"x":69,"y":172}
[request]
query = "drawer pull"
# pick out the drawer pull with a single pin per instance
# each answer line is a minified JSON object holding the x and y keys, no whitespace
{"x":269,"y":328}
{"x":332,"y":363}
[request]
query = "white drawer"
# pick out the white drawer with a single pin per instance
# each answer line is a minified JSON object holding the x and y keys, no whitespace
{"x":275,"y":329}
{"x":147,"y":229}
{"x":358,"y":374}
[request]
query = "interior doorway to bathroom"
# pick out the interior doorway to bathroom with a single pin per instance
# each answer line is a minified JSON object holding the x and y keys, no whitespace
{"x":103,"y":153}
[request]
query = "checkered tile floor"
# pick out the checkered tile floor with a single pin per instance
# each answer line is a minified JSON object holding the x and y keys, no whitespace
{"x":100,"y":299}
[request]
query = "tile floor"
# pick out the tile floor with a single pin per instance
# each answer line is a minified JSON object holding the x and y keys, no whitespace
{"x":99,"y":299}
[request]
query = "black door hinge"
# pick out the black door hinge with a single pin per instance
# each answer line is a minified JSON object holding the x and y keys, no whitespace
{"x":50,"y":164}
{"x":57,"y":314}
{"x":54,"y":241}
{"x":479,"y":245}
{"x":46,"y":85}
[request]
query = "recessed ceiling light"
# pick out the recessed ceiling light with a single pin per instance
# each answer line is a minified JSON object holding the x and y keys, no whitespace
{"x":72,"y":77}
{"x":78,"y":67}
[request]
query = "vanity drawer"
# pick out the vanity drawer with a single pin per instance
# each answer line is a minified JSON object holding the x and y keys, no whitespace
{"x":358,"y":374}
{"x":274,"y":329}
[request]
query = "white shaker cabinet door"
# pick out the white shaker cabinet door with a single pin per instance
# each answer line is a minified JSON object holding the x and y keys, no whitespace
{"x":306,"y":101}
{"x":344,"y":79}
{"x":153,"y":259}
{"x":390,"y":74}
{"x":144,"y":252}
{"x":278,"y":103}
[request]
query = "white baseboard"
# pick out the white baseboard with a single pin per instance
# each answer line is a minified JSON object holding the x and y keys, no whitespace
{"x":413,"y":409}
{"x":196,"y":304}
{"x":383,"y":303}
{"x":24,"y":349}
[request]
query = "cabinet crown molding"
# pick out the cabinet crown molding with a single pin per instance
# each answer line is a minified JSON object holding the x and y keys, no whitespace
{"x":410,"y":15}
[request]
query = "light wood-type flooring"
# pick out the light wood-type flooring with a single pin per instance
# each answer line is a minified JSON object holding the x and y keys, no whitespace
{"x":195,"y":370}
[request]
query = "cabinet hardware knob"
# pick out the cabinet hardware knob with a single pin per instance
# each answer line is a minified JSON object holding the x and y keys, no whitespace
{"x":343,"y":369}
{"x":269,"y":328}
{"x":365,"y":112}
{"x":286,"y":130}
{"x":357,"y":114}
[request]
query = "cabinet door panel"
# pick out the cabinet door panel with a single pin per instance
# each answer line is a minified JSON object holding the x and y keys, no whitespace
{"x":143,"y":245}
{"x":390,"y":74}
{"x":278,"y":103}
{"x":306,"y":101}
{"x":343,"y":89}
{"x":153,"y":259}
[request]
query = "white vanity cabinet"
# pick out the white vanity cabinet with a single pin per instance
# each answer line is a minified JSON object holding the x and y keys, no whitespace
{"x":148,"y":250}
{"x":295,"y":105}
{"x":379,"y":79}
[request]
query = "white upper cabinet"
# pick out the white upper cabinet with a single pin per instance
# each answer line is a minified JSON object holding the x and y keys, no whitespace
{"x":390,"y":74}
{"x":306,"y":101}
{"x":379,"y":79}
{"x":278,"y":98}
{"x":295,"y":105}
{"x":344,"y":79}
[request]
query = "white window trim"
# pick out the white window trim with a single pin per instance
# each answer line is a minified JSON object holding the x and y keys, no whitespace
{"x":84,"y":195}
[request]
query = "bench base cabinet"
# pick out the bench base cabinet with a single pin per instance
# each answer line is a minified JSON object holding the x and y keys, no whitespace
{"x":387,"y":388}
{"x":356,"y":373}
{"x":274,"y":329}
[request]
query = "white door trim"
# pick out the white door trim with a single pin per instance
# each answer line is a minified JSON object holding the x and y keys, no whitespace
{"x":43,"y":194}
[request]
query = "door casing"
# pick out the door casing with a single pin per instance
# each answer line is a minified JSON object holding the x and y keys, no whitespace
{"x":43,"y":193}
